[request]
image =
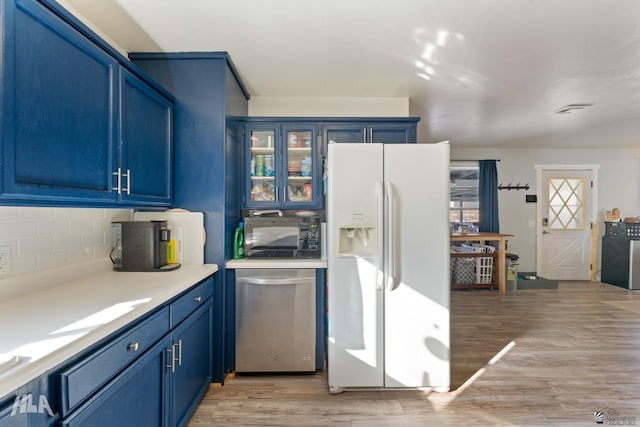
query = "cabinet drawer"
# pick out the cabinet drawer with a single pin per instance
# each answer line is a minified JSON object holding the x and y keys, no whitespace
{"x":193,"y":299}
{"x":135,"y":397}
{"x":81,"y":380}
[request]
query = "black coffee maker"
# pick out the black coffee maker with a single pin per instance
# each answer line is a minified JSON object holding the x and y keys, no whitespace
{"x":141,"y":246}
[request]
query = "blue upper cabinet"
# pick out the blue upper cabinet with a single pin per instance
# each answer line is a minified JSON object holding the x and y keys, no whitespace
{"x":58,"y":109}
{"x":302,"y":175}
{"x":263,"y":180}
{"x":72,"y":114}
{"x":283,"y":166}
{"x":284,"y":160}
{"x":145,"y":173}
{"x":401,"y":130}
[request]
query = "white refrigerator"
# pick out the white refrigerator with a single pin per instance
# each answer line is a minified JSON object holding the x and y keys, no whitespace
{"x":388,"y":266}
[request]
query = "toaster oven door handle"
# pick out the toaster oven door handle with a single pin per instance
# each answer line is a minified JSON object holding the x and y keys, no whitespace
{"x":267,"y":212}
{"x":287,"y":281}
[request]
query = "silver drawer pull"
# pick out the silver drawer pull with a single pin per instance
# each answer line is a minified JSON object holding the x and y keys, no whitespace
{"x":172,"y":358}
{"x":179,"y":360}
{"x":198,"y":299}
{"x":133,"y":346}
{"x":118,"y":175}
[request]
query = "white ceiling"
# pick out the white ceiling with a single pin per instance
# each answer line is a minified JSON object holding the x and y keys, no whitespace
{"x":480,"y":73}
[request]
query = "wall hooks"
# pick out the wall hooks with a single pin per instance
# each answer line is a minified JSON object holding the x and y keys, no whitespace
{"x":513,"y":187}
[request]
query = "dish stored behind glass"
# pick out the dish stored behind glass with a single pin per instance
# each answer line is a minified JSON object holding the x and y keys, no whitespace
{"x":141,"y":246}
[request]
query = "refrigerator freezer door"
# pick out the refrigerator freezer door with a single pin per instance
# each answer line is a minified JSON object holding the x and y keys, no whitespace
{"x":355,"y":336}
{"x":416,"y":311}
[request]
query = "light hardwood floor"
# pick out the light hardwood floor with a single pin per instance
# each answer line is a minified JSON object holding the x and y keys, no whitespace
{"x":530,"y":357}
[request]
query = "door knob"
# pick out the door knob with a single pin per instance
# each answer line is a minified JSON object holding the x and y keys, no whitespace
{"x":546,"y":232}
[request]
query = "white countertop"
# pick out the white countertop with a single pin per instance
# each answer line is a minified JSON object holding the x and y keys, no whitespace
{"x":47,"y":324}
{"x":276,"y":263}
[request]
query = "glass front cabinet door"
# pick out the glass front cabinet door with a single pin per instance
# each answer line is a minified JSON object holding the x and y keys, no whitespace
{"x":284,"y":167}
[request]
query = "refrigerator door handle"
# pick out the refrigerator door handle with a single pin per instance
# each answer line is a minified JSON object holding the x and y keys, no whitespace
{"x":380,"y":225}
{"x":391,"y":239}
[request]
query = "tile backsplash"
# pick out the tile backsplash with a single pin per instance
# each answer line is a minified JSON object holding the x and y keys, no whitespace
{"x":42,"y":238}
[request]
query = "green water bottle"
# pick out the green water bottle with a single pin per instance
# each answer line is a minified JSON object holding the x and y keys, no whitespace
{"x":238,"y":237}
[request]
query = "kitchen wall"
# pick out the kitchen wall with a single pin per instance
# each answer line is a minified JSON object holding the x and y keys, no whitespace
{"x":43,"y":238}
{"x":618,"y":178}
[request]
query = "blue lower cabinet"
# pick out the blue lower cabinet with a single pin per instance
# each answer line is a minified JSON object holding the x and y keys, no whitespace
{"x":137,"y":397}
{"x":191,"y":374}
{"x":85,"y":377}
{"x":31,"y":405}
{"x":153,"y":374}
{"x":10,"y":415}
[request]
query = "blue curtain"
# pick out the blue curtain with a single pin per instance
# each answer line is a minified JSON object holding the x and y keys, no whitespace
{"x":488,"y":195}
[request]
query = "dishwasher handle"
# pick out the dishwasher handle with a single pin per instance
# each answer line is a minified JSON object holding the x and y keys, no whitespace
{"x":276,"y":282}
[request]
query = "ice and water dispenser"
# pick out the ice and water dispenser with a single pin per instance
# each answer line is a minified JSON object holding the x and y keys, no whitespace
{"x":357,"y":234}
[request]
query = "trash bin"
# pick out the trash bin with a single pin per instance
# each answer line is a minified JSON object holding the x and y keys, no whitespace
{"x":511,"y":271}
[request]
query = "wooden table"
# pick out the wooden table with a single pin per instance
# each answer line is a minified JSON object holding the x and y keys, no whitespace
{"x":500,"y":252}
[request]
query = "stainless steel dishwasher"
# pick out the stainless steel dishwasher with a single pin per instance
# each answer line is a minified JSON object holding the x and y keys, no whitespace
{"x":275,"y":320}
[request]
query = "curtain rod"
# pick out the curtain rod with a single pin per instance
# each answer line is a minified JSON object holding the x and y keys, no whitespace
{"x":471,"y":160}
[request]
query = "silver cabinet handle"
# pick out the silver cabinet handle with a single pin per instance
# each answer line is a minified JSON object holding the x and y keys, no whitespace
{"x":118,"y":174}
{"x":179,"y":352}
{"x":370,"y":135}
{"x":133,"y":346}
{"x":128,"y":175}
{"x":172,"y":359}
{"x":364,"y":135}
{"x":198,"y":299}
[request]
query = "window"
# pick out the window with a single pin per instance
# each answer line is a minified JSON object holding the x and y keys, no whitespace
{"x":463,"y":194}
{"x":566,"y":203}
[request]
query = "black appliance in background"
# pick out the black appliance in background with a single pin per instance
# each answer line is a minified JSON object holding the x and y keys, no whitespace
{"x":620,"y":261}
{"x":141,"y":246}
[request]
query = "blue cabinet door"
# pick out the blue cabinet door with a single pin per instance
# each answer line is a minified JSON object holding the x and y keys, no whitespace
{"x":192,"y":351}
{"x":10,"y":415}
{"x":401,"y":133}
{"x":301,"y":166}
{"x":282,"y":164}
{"x":146,"y":143}
{"x":136,"y":397}
{"x":263,"y":178}
{"x":59,"y":103}
{"x":389,"y":131}
{"x":345,"y":133}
